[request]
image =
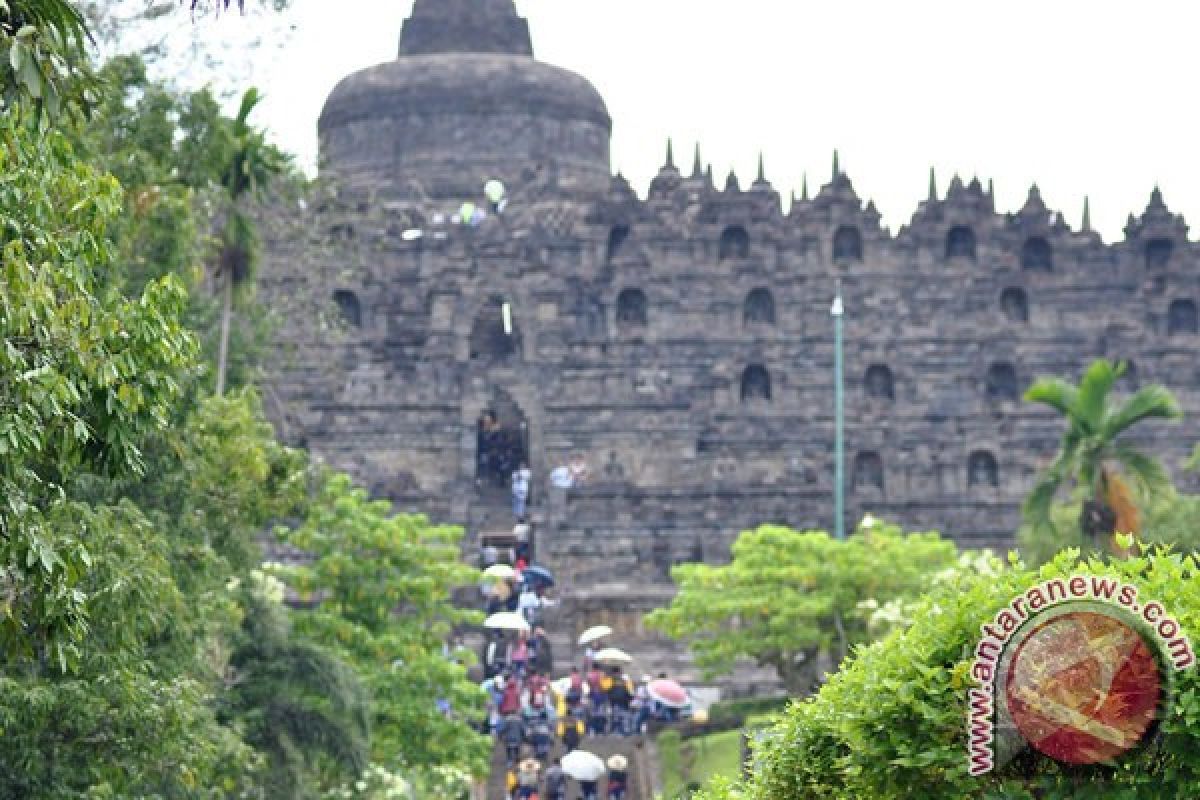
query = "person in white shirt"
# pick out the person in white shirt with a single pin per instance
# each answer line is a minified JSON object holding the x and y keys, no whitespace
{"x":520,"y":490}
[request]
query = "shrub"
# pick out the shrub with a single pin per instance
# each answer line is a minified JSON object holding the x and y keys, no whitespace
{"x":892,"y":723}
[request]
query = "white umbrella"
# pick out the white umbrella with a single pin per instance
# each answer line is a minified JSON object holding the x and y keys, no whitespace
{"x":507,"y":621}
{"x":617,"y":762}
{"x":561,"y":686}
{"x":582,"y":765}
{"x":612,"y":654}
{"x":501,"y":571}
{"x":593,"y":633}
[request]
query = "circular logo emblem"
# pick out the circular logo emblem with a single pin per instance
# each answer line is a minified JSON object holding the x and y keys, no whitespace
{"x":1083,"y":687}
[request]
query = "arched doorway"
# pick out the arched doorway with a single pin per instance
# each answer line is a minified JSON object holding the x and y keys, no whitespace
{"x":502,"y":442}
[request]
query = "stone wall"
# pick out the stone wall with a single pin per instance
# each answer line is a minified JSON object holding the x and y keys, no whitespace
{"x":947,"y":323}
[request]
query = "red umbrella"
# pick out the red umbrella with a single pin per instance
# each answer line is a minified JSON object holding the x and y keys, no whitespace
{"x":669,"y":693}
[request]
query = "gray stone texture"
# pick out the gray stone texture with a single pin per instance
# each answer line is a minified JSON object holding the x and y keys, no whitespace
{"x":947,"y":321}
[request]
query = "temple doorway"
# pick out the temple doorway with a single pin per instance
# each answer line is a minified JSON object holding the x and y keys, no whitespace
{"x":502,"y":442}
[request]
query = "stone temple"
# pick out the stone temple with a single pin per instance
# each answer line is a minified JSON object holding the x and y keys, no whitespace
{"x":680,"y":344}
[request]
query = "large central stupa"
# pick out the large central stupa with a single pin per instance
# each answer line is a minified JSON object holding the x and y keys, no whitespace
{"x":464,"y":101}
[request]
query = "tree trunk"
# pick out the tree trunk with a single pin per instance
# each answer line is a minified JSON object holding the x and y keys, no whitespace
{"x":799,"y":672}
{"x":223,"y":346}
{"x":1097,"y":522}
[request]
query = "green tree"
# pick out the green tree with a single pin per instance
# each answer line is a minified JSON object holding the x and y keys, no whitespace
{"x":786,"y":596}
{"x":892,"y":724}
{"x":384,"y":582}
{"x":86,"y":374}
{"x":297,"y":703}
{"x":1093,"y":454}
{"x":44,"y":58}
{"x":248,"y":163}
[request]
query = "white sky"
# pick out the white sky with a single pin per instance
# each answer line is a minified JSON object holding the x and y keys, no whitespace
{"x":1094,"y":98}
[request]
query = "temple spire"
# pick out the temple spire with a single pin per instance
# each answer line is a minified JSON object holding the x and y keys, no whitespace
{"x":1087,"y":215}
{"x":697,"y":167}
{"x":804,"y":187}
{"x":670,"y":154}
{"x":762,"y":174}
{"x":465,"y":26}
{"x":836,"y":169}
{"x":932,"y":186}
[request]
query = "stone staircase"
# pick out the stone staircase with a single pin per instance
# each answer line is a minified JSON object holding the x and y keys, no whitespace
{"x":637,"y":749}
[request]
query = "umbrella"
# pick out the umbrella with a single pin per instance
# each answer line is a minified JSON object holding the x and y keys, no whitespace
{"x":617,"y":762}
{"x":582,"y":765}
{"x":501,"y":571}
{"x":561,"y":686}
{"x":612,"y":654}
{"x":593,"y":633}
{"x":669,"y":693}
{"x":540,"y":574}
{"x":507,"y":621}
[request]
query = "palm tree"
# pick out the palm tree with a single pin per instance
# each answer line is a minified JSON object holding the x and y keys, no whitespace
{"x":301,"y":707}
{"x":1092,"y":453}
{"x":247,"y":163}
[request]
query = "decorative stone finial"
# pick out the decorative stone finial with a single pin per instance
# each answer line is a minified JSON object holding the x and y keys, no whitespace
{"x":804,"y":187}
{"x":836,"y":169}
{"x":670,"y":155}
{"x":1087,"y":215}
{"x":697,"y":167}
{"x":731,"y":183}
{"x":465,"y":26}
{"x":932,"y":186}
{"x":762,"y":175}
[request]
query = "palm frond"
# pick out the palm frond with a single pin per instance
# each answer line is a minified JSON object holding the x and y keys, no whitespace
{"x":1093,"y":393}
{"x":1149,"y":402}
{"x":1148,"y":475}
{"x":1054,"y":392}
{"x":1036,"y":508}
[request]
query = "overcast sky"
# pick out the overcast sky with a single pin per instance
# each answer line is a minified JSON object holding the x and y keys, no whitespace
{"x":1085,"y":98}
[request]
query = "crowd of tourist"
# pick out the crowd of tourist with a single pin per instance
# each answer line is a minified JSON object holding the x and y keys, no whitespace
{"x":542,"y":723}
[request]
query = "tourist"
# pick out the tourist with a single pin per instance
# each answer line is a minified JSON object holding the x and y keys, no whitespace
{"x":575,"y":691}
{"x":520,"y":490}
{"x":510,"y":699}
{"x":642,"y":704}
{"x":618,"y":778}
{"x":513,"y":733}
{"x":520,"y":655}
{"x":597,"y":701}
{"x":620,"y":696}
{"x":570,"y":731}
{"x":529,"y":604}
{"x":579,"y":470}
{"x":543,"y":655}
{"x":528,"y":774}
{"x":556,"y":782}
{"x":589,"y":790}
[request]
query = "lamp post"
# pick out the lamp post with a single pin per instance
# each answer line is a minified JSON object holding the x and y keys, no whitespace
{"x":839,"y":500}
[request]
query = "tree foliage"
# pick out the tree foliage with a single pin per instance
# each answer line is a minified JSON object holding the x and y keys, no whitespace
{"x":384,"y":582}
{"x":88,"y":374}
{"x":786,"y":595}
{"x":1093,"y":455}
{"x":892,"y":723}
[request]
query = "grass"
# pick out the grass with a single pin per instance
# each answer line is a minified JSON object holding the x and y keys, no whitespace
{"x":698,"y":759}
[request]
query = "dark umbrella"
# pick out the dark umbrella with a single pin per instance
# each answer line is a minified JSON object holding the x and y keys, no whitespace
{"x":539,"y":574}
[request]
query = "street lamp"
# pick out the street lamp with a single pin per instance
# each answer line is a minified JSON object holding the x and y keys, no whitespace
{"x":839,"y":521}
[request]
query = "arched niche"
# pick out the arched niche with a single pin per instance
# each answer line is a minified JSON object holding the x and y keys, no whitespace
{"x":489,"y":342}
{"x":1181,"y":317}
{"x":878,"y":383}
{"x":617,"y":237}
{"x":847,"y":244}
{"x":759,"y":308}
{"x":631,"y":309}
{"x":1158,"y":252}
{"x":734,"y":244}
{"x":960,"y":243}
{"x":1001,"y":382}
{"x":756,"y":384}
{"x":1014,"y":303}
{"x":1037,"y":255}
{"x":868,"y":471}
{"x":349,"y":308}
{"x":982,"y":470}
